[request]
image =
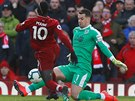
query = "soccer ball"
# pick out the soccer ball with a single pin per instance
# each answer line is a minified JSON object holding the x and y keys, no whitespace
{"x":34,"y":76}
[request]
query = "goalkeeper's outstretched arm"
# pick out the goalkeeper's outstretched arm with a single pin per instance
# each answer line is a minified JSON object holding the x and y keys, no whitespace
{"x":122,"y":67}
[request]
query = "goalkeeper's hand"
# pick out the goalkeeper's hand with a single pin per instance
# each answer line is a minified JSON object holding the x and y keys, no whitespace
{"x":72,"y":58}
{"x":123,"y":68}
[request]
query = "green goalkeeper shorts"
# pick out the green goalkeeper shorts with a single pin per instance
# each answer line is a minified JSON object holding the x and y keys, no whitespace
{"x":75,"y":74}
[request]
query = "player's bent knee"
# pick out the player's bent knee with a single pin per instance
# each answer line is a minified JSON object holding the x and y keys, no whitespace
{"x":58,"y":73}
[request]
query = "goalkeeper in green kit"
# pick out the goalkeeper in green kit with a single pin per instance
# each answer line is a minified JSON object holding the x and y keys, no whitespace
{"x":85,"y":38}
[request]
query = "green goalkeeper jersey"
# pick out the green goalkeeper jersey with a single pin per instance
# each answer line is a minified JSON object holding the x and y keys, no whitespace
{"x":84,"y":41}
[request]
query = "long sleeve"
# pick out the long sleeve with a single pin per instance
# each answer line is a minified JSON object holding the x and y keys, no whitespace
{"x":64,"y":39}
{"x":22,"y":26}
{"x":99,"y":40}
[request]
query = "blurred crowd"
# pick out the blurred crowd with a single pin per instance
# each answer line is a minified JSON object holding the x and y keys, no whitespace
{"x":115,"y":19}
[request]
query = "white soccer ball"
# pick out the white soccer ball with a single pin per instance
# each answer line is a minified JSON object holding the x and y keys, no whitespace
{"x":34,"y":76}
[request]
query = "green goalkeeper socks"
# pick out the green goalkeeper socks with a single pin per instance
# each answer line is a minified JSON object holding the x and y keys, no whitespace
{"x":88,"y":95}
{"x":35,"y":86}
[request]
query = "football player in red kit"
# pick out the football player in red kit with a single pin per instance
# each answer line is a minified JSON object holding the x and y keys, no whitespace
{"x":43,"y":29}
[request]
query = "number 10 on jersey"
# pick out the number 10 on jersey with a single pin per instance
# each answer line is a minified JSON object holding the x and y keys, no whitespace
{"x":37,"y":33}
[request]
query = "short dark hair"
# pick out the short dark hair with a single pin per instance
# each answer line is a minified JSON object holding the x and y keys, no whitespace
{"x":86,"y":12}
{"x":43,"y":8}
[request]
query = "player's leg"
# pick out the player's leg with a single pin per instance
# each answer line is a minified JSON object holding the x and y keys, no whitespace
{"x":35,"y":86}
{"x":46,"y":61}
{"x":78,"y":93}
{"x":52,"y":94}
{"x":52,"y":85}
{"x":63,"y":73}
{"x":25,"y":90}
{"x":79,"y":82}
{"x":88,"y":95}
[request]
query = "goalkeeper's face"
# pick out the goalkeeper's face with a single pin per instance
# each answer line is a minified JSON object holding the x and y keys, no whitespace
{"x":83,"y":20}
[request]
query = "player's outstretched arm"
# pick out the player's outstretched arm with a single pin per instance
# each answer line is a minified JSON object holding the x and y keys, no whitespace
{"x":99,"y":40}
{"x":122,"y":67}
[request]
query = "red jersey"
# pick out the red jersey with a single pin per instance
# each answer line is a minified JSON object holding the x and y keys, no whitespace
{"x":127,"y":55}
{"x":43,"y":30}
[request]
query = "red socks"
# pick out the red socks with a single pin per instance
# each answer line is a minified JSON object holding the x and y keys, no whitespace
{"x":52,"y":85}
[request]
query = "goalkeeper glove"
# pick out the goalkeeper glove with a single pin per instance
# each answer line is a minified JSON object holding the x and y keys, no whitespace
{"x":72,"y":58}
{"x":122,"y":66}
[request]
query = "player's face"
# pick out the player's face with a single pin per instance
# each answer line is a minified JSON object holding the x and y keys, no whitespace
{"x":83,"y":21}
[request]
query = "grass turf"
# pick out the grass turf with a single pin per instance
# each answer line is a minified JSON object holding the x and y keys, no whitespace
{"x":42,"y":98}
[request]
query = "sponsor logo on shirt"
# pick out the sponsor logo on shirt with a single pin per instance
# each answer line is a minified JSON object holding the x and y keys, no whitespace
{"x":59,"y":27}
{"x":86,"y":32}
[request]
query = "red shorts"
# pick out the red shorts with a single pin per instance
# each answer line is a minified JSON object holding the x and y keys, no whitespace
{"x":47,"y":57}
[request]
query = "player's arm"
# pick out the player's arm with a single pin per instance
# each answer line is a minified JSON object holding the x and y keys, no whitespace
{"x":64,"y":39}
{"x":22,"y":26}
{"x":98,"y":39}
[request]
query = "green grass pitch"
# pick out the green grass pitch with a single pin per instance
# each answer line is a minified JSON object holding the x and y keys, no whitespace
{"x":42,"y":98}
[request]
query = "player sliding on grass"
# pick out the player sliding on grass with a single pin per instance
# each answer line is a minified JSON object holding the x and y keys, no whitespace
{"x":84,"y":40}
{"x":42,"y":31}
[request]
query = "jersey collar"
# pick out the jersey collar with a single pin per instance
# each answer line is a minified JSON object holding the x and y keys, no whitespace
{"x":85,"y":27}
